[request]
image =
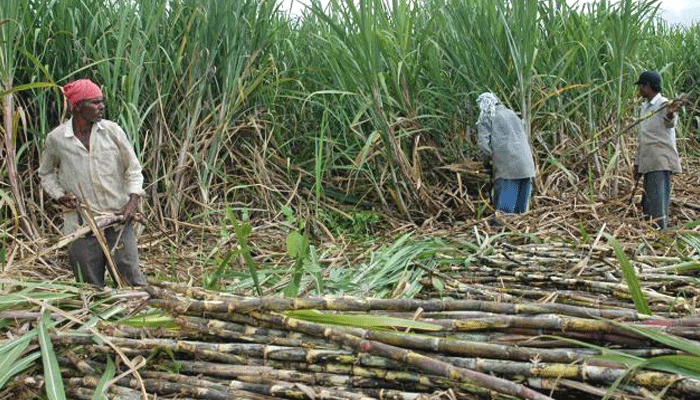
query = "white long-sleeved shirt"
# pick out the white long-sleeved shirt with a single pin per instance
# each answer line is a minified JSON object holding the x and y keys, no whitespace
{"x":657,"y":139}
{"x":102,"y":178}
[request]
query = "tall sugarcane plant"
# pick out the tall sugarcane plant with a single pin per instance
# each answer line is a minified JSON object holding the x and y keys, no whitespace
{"x":235,"y":105}
{"x":376,"y":52}
{"x":629,"y":22}
{"x":10,"y":34}
{"x":370,"y":91}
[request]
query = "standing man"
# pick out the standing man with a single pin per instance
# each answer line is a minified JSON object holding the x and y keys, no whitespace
{"x":657,"y":156}
{"x":504,"y":148}
{"x":89,"y":162}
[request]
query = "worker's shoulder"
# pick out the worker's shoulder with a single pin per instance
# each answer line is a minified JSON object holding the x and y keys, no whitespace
{"x":505,"y":112}
{"x":109,"y":125}
{"x":60,"y":130}
{"x":111,"y":129}
{"x":507,"y":115}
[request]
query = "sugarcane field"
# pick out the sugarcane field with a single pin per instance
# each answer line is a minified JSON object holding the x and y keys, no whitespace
{"x":349,"y":199}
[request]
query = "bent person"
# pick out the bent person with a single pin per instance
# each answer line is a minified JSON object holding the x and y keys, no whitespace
{"x":89,"y":162}
{"x":505,"y":149}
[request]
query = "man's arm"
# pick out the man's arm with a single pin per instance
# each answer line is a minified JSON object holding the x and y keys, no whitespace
{"x":670,"y":116}
{"x":131,"y":208}
{"x":132,"y":176}
{"x":132,"y":167}
{"x":484,"y":143}
{"x":48,"y":172}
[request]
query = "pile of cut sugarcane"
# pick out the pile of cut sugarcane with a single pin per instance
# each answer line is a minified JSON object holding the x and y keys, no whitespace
{"x":506,"y":318}
{"x":589,"y":276}
{"x":181,"y":342}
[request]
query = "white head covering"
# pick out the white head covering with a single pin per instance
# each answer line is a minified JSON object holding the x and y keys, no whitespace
{"x":487,"y":104}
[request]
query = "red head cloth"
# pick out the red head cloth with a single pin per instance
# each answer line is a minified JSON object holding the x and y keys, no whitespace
{"x":80,"y":90}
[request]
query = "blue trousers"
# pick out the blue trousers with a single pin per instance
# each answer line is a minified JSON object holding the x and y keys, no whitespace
{"x":512,"y":195}
{"x":657,"y":197}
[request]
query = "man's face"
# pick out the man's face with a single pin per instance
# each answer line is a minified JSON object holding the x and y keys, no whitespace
{"x":92,"y":109}
{"x":645,"y":91}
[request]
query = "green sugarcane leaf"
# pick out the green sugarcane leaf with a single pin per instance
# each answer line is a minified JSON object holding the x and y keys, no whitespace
{"x":635,"y":288}
{"x":297,"y":245}
{"x":361,"y":321}
{"x":620,"y":358}
{"x":211,"y":281}
{"x":292,"y":289}
{"x":15,"y":346}
{"x":14,"y":300}
{"x":685,"y":365}
{"x":101,"y":387}
{"x":438,"y":284}
{"x":613,"y":387}
{"x":27,"y":86}
{"x":605,"y":352}
{"x":100,"y":316}
{"x":52,"y":372}
{"x":151,"y":319}
{"x":243,"y":230}
{"x":9,"y":354}
{"x":671,"y":364}
{"x":679,"y":343}
{"x":18,"y":367}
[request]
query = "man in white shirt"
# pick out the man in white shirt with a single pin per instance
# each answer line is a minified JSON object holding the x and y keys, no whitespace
{"x":89,"y":162}
{"x":657,"y":157}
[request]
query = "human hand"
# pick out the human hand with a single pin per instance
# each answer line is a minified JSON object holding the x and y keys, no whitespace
{"x":672,"y":109}
{"x":676,"y":105}
{"x":69,"y":200}
{"x":131,"y":208}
